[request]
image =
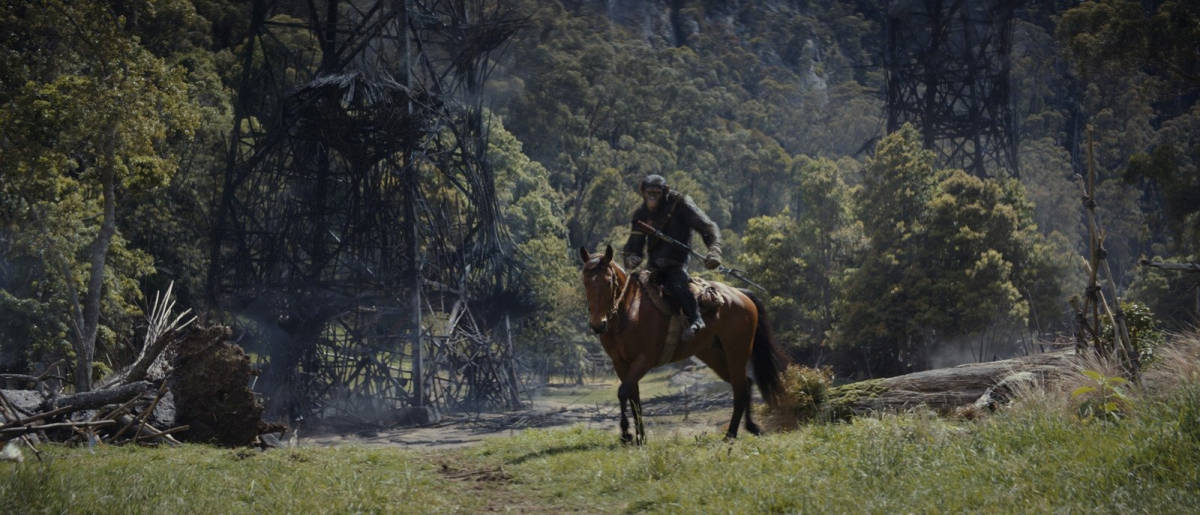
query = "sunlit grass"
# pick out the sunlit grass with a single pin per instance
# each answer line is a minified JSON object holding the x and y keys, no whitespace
{"x":201,"y":479}
{"x":1036,"y":457}
{"x":1025,"y":461}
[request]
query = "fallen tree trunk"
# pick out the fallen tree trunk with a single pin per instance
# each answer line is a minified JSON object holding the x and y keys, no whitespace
{"x":98,"y":398}
{"x":947,"y":389}
{"x":58,"y":425}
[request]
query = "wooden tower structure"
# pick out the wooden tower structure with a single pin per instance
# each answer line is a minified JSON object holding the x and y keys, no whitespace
{"x":947,"y":66}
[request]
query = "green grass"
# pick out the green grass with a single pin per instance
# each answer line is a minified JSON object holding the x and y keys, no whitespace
{"x":202,"y":479}
{"x":1036,"y":459}
{"x":1023,"y":462}
{"x":605,"y":392}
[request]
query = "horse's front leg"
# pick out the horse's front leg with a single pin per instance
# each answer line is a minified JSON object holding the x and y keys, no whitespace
{"x":622,"y":369}
{"x":629,"y":393}
{"x":639,"y":423}
{"x":625,"y":436}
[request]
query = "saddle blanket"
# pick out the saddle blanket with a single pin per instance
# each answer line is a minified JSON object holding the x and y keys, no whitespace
{"x":707,"y":295}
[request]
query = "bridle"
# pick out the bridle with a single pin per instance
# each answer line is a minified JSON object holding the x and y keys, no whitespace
{"x":611,"y":317}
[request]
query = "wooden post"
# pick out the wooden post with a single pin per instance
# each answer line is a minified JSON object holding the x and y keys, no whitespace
{"x":1123,"y":345}
{"x":410,"y":214}
{"x":1089,"y":203}
{"x":512,"y":365}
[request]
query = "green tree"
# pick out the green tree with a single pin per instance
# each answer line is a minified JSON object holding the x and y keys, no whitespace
{"x":1112,"y":37}
{"x":77,"y":135}
{"x":802,"y":255}
{"x":555,"y":333}
{"x":877,"y":320}
{"x":1141,"y":64}
{"x":951,"y":260}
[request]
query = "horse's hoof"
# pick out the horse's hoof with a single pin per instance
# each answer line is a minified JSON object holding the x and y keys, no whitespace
{"x":627,"y":439}
{"x":730,"y":437}
{"x":754,"y":429}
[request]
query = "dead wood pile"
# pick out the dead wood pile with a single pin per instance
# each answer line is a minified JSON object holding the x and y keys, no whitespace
{"x":193,"y":386}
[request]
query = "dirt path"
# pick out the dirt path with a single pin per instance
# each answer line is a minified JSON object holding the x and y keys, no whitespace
{"x":692,"y":402}
{"x":680,"y":403}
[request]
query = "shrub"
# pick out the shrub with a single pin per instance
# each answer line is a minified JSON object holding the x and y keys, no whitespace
{"x":1103,"y":398}
{"x":805,"y":397}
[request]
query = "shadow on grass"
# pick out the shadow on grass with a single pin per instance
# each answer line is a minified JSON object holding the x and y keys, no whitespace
{"x":561,"y":449}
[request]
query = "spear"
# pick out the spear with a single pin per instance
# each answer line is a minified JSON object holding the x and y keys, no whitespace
{"x":648,"y":229}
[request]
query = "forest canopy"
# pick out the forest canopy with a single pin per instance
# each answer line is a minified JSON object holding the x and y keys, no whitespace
{"x":116,"y":122}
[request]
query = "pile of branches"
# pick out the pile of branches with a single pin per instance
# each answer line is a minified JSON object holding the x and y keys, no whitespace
{"x":120,"y":413}
{"x":190,"y":383}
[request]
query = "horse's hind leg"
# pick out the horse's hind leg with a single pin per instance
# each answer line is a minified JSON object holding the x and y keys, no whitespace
{"x":738,"y":343}
{"x":718,"y":360}
{"x":750,"y":425}
{"x":741,"y":404}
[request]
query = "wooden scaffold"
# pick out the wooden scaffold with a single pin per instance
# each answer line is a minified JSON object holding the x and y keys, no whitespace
{"x":356,"y":178}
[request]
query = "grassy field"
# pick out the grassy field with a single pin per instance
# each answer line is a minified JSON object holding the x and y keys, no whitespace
{"x":605,"y":392}
{"x":1038,"y":457}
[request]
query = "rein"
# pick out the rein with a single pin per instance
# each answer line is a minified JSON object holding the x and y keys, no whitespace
{"x":617,"y":297}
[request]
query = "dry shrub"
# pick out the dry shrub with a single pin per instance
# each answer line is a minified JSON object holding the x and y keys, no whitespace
{"x":1053,"y":393}
{"x":804,"y":397}
{"x":1177,"y":363}
{"x":1040,"y":394}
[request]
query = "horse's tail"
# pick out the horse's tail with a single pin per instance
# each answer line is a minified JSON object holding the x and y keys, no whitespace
{"x":767,"y":358}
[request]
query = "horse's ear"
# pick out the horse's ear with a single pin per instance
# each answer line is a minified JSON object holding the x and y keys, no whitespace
{"x":583,"y":253}
{"x":608,"y":253}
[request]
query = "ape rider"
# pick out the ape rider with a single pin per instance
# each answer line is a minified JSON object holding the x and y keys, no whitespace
{"x":676,"y":216}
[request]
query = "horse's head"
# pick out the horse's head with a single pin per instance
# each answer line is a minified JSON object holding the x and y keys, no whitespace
{"x":601,"y":282}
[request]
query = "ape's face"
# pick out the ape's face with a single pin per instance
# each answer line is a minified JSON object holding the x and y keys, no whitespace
{"x":653,"y":196}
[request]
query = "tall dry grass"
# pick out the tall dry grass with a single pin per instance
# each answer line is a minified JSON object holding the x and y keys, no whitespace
{"x":1176,"y":366}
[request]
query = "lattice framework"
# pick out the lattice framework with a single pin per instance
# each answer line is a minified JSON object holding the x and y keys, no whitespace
{"x":357,"y":187}
{"x":947,"y":64}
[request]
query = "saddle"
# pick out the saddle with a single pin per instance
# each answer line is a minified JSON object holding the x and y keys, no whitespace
{"x":707,"y":296}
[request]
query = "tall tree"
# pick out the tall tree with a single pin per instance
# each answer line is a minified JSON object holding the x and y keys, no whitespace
{"x":951,"y":263}
{"x":897,"y":185}
{"x":802,"y":254}
{"x":80,"y":132}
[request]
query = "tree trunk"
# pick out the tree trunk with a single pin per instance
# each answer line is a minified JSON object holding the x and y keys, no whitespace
{"x":85,"y":344}
{"x":96,"y":399}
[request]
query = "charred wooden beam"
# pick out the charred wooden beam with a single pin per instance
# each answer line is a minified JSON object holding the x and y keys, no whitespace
{"x":1175,"y":267}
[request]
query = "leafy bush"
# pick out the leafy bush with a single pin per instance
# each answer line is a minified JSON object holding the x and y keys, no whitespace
{"x":1144,"y":330}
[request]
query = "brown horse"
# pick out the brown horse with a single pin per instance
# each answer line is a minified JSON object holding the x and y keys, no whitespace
{"x":634,"y":332}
